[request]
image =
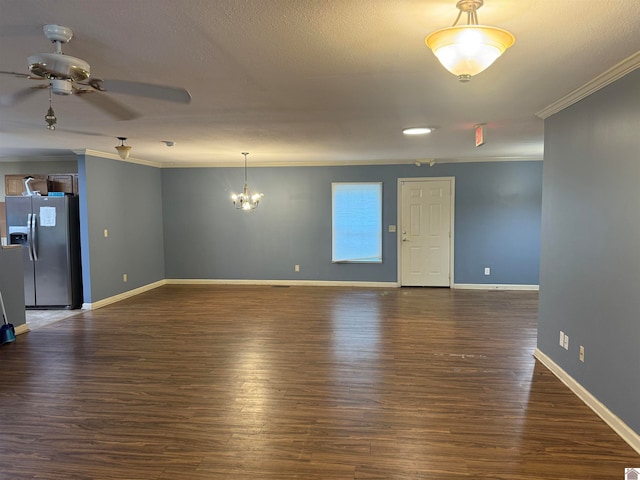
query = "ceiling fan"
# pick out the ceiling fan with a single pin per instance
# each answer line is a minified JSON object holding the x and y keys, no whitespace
{"x":67,"y":75}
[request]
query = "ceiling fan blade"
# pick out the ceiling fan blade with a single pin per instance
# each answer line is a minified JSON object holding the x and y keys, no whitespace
{"x":15,"y":74}
{"x":22,"y":75}
{"x":82,"y":132}
{"x":108,"y":105}
{"x":19,"y":96}
{"x":139,"y":89}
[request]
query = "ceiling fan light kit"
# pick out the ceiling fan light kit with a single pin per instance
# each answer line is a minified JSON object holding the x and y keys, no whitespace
{"x":467,"y":50}
{"x":59,"y":66}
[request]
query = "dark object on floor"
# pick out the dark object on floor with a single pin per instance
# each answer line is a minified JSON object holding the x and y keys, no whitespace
{"x":7,"y":331}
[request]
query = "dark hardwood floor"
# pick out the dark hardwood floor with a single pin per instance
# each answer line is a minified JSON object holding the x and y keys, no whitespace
{"x":244,"y":382}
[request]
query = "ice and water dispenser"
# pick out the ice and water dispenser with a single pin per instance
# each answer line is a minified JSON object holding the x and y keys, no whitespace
{"x":18,"y":236}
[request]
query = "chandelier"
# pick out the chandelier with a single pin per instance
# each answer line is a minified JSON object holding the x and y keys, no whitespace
{"x":467,"y":50}
{"x":246,"y":200}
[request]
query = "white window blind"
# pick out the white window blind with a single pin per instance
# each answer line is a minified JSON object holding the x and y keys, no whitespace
{"x":356,"y":222}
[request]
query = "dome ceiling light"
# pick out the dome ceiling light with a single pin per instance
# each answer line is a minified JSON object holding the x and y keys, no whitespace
{"x":123,"y":150}
{"x":467,"y":50}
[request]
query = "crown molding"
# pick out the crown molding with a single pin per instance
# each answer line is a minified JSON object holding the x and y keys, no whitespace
{"x":294,"y":163}
{"x":345,"y":163}
{"x":617,"y":71}
{"x":353,"y":163}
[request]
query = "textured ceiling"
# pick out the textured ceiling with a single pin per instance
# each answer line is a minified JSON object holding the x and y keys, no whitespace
{"x":306,"y":81}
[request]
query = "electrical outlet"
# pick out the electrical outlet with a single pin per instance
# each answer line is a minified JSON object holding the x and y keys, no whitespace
{"x":106,"y":233}
{"x":487,"y":270}
{"x":124,"y":277}
{"x":561,"y":338}
{"x":581,"y":353}
{"x":566,"y":342}
{"x":392,"y":229}
{"x":296,"y":268}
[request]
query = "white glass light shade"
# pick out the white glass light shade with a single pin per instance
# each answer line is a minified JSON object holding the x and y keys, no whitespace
{"x":123,"y":151}
{"x":468,"y":49}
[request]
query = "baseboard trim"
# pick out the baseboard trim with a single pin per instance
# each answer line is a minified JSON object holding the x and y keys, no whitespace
{"x":24,"y":328}
{"x":116,"y":298}
{"x":494,"y":286}
{"x":179,"y":281}
{"x":306,"y":283}
{"x":610,"y":418}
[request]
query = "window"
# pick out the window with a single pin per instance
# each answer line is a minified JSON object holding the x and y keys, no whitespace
{"x":356,"y":228}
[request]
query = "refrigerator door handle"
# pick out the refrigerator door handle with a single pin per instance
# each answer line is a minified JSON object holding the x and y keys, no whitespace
{"x":34,"y":229}
{"x":30,"y":235}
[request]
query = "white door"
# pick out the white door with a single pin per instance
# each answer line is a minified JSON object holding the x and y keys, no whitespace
{"x":425,"y":233}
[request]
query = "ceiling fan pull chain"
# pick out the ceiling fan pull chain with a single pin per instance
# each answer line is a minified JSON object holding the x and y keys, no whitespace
{"x":50,"y":117}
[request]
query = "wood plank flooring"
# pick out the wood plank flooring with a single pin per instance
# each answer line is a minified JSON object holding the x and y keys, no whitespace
{"x":257,"y":382}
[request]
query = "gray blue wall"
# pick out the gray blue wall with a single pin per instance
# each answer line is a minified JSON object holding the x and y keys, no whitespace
{"x":125,"y":199}
{"x":498,"y":214}
{"x":590,"y":266}
{"x":179,"y":223}
{"x":497,"y":222}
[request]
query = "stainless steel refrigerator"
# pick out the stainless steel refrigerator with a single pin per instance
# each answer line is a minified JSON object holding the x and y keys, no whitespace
{"x":48,"y":228}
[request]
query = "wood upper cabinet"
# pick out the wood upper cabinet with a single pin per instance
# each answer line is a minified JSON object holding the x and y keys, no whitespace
{"x":63,"y":182}
{"x":58,"y":182}
{"x":14,"y":184}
